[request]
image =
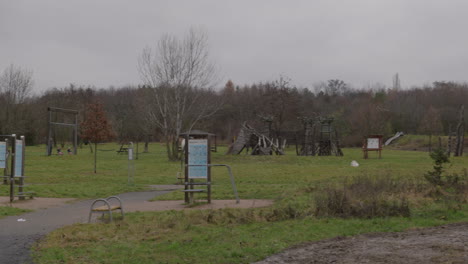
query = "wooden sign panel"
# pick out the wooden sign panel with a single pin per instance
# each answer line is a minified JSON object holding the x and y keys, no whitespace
{"x":372,"y":143}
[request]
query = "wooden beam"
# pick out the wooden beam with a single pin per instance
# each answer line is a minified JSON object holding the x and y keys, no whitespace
{"x":63,"y":110}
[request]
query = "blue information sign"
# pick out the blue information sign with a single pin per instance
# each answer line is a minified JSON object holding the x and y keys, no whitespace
{"x":19,"y":158}
{"x":198,"y":155}
{"x":3,"y":155}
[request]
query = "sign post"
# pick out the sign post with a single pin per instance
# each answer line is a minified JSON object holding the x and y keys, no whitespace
{"x":197,"y":164}
{"x":372,"y":143}
{"x":131,"y":165}
{"x":13,"y":171}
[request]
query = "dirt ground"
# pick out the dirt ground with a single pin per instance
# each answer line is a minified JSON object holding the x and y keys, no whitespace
{"x":44,"y":203}
{"x":133,"y":205}
{"x":443,"y":244}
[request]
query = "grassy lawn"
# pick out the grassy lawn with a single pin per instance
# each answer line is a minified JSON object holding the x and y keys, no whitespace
{"x":256,"y":176}
{"x":7,"y":211}
{"x":219,"y":236}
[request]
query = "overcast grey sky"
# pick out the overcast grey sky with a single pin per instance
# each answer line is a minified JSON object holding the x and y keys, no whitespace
{"x":97,"y":42}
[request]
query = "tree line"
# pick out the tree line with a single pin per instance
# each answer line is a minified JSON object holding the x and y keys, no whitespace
{"x":178,"y":92}
{"x":357,"y":112}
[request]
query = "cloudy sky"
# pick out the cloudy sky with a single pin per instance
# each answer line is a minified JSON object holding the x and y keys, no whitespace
{"x":363,"y":42}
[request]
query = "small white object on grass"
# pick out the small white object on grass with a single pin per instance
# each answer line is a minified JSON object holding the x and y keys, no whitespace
{"x":21,"y":220}
{"x":354,"y":163}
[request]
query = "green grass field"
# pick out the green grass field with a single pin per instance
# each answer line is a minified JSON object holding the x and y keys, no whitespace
{"x":221,"y":236}
{"x":256,"y":176}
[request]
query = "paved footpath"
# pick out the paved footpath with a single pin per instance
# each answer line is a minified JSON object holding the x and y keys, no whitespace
{"x":16,"y":238}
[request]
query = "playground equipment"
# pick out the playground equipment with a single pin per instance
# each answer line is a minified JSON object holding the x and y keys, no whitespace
{"x":328,"y":141}
{"x":14,"y":149}
{"x":106,"y":206}
{"x":395,"y":137}
{"x":308,"y":142}
{"x":197,"y":169}
{"x":53,"y":122}
{"x":261,"y":144}
{"x":324,"y":143}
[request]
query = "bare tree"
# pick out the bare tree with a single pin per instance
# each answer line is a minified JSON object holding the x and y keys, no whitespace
{"x":15,"y":86}
{"x":178,"y":76}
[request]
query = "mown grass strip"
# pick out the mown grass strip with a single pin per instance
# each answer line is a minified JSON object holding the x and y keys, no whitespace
{"x":8,"y":211}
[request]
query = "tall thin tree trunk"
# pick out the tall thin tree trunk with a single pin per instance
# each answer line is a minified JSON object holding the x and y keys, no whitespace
{"x":460,"y":133}
{"x":136,"y":150}
{"x":95,"y":156}
{"x":146,"y":144}
{"x":168,"y":147}
{"x":430,"y":143}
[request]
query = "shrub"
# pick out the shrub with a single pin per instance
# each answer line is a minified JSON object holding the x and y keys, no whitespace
{"x":434,"y":177}
{"x":446,"y":186}
{"x":363,"y":197}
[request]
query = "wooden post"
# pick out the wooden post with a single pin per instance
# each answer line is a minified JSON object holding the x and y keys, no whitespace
{"x":75,"y":136}
{"x":5,"y":170}
{"x":136,"y":154}
{"x":21,"y":177}
{"x":95,"y":156}
{"x":209,"y":169}
{"x":49,"y":134}
{"x":364,"y":147}
{"x":186,"y":169}
{"x":12,"y":175}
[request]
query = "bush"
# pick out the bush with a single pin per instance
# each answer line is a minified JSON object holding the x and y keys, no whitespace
{"x":446,"y":186}
{"x":434,"y":177}
{"x":364,"y":197}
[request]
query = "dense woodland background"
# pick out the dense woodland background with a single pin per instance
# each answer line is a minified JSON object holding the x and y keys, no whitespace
{"x":427,"y":110}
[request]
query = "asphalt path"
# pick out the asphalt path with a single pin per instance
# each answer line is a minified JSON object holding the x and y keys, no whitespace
{"x":17,"y":237}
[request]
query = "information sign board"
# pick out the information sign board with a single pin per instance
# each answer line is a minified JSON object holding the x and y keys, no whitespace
{"x":19,"y":158}
{"x":197,"y":155}
{"x":3,"y":155}
{"x":373,"y":143}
